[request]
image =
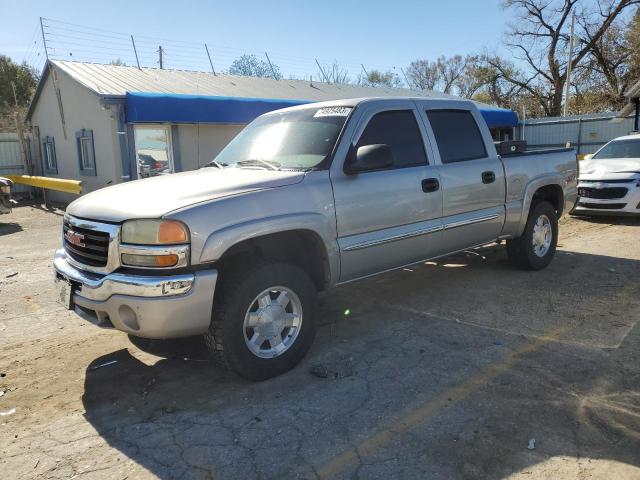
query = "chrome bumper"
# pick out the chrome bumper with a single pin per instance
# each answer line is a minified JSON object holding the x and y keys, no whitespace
{"x":145,"y":306}
{"x":100,"y":287}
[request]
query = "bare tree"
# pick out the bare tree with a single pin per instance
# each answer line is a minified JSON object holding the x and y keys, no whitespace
{"x":423,"y":74}
{"x":334,"y":73}
{"x":539,"y":38}
{"x":252,"y":66}
{"x":377,"y":78}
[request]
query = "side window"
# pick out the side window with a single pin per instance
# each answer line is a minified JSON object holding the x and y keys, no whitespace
{"x":457,"y":135}
{"x":86,"y":153}
{"x":49,"y":161}
{"x":397,"y":129}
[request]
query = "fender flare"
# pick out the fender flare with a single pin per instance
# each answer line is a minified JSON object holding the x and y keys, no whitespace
{"x":220,"y":241}
{"x":532,"y":187}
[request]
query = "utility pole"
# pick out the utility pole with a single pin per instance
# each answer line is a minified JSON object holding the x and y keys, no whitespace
{"x":366,"y":74}
{"x":44,"y":39}
{"x":209,"y":57}
{"x":405,"y":77}
{"x":326,"y":79}
{"x":160,"y":52}
{"x":136,"y":52}
{"x":567,"y":91}
{"x":273,"y":71}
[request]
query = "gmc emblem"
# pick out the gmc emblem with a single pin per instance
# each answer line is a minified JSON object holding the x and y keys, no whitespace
{"x":74,"y":238}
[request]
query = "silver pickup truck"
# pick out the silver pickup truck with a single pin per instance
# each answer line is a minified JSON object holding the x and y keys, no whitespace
{"x":304,"y":199}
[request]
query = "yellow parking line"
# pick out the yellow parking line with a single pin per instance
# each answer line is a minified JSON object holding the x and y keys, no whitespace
{"x":427,"y":411}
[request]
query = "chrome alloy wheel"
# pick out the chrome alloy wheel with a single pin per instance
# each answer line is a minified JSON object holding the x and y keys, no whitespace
{"x":272,"y":322}
{"x":542,"y":236}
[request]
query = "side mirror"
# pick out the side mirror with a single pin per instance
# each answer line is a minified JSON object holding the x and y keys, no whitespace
{"x":368,"y":157}
{"x":589,"y":156}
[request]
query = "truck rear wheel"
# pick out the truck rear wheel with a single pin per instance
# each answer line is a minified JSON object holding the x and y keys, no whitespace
{"x":263,"y":319}
{"x":535,"y":249}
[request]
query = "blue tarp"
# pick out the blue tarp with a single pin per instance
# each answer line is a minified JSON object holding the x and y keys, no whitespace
{"x":174,"y":108}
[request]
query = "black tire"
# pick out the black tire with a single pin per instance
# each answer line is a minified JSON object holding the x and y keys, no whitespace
{"x":521,"y":250}
{"x":225,"y":339}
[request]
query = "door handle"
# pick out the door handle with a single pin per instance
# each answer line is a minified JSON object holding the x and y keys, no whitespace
{"x":430,"y":185}
{"x":488,"y":177}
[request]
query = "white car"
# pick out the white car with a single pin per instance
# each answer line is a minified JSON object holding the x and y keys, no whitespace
{"x":609,"y":180}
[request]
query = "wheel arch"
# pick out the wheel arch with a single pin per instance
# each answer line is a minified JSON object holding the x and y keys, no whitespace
{"x":546,"y":189}
{"x":303,"y":240}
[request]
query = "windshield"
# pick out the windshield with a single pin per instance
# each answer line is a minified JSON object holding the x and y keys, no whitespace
{"x":620,"y":149}
{"x":298,"y":139}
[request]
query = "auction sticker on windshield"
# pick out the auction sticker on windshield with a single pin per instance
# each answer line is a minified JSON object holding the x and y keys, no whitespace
{"x":332,"y":112}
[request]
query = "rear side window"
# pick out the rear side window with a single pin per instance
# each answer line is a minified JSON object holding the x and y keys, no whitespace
{"x":399,"y":130}
{"x":457,"y":135}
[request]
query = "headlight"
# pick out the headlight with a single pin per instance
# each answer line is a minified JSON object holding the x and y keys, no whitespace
{"x":154,"y":232}
{"x":154,"y":244}
{"x":5,"y":189}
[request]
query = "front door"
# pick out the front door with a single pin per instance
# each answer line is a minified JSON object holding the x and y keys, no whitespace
{"x":153,"y":150}
{"x":387,"y":218}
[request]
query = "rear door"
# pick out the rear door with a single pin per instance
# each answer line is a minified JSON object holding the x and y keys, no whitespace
{"x":471,"y":176}
{"x":386,"y":218}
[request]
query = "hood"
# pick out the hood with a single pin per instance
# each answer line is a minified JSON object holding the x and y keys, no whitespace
{"x":157,"y":196}
{"x":609,"y":169}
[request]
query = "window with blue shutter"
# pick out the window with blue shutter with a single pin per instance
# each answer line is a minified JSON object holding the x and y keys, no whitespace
{"x":49,"y":161}
{"x":86,"y":152}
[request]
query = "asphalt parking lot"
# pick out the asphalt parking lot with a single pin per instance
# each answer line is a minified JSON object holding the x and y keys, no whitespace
{"x":460,"y":368}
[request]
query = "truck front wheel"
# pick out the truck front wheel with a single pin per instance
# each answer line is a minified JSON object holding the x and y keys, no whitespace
{"x":535,"y":249}
{"x":263,"y":319}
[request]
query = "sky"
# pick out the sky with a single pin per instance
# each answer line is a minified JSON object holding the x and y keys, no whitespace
{"x":378,"y":34}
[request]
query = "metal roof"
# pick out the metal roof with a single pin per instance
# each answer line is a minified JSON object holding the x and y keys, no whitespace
{"x":632,"y":93}
{"x":117,"y":80}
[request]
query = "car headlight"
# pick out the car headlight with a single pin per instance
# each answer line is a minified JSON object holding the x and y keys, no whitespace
{"x":5,"y":189}
{"x":154,"y":232}
{"x":154,"y":243}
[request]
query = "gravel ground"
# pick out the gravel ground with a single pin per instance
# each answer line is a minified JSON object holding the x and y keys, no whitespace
{"x":450,"y":369}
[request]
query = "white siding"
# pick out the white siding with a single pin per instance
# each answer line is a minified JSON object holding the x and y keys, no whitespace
{"x":82,"y":109}
{"x":199,"y":144}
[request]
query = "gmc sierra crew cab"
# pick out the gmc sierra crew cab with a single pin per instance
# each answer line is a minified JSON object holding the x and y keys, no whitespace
{"x":304,"y":199}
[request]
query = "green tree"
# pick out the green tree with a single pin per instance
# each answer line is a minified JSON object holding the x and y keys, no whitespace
{"x":25,"y":79}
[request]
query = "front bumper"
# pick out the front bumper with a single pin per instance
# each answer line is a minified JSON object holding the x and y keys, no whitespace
{"x":145,"y":306}
{"x":628,"y":204}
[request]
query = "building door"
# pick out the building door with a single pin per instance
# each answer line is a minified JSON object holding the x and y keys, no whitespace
{"x":153,"y":150}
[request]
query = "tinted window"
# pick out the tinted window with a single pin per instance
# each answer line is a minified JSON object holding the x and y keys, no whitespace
{"x":397,"y":129}
{"x":457,"y":135}
{"x":620,"y":149}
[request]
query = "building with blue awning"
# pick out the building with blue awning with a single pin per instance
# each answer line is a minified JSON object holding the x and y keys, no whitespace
{"x":105,"y":124}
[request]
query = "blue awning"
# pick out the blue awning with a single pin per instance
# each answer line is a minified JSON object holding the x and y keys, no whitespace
{"x":145,"y":107}
{"x":174,"y":108}
{"x":499,"y":117}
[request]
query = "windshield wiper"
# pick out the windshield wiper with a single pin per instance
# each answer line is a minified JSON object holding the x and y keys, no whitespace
{"x":270,"y":165}
{"x":213,"y":163}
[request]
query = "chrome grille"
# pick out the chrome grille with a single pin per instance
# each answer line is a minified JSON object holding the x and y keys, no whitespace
{"x":89,"y":247}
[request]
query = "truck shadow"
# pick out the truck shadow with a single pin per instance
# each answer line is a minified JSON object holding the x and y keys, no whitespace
{"x":411,"y":348}
{"x":9,"y":228}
